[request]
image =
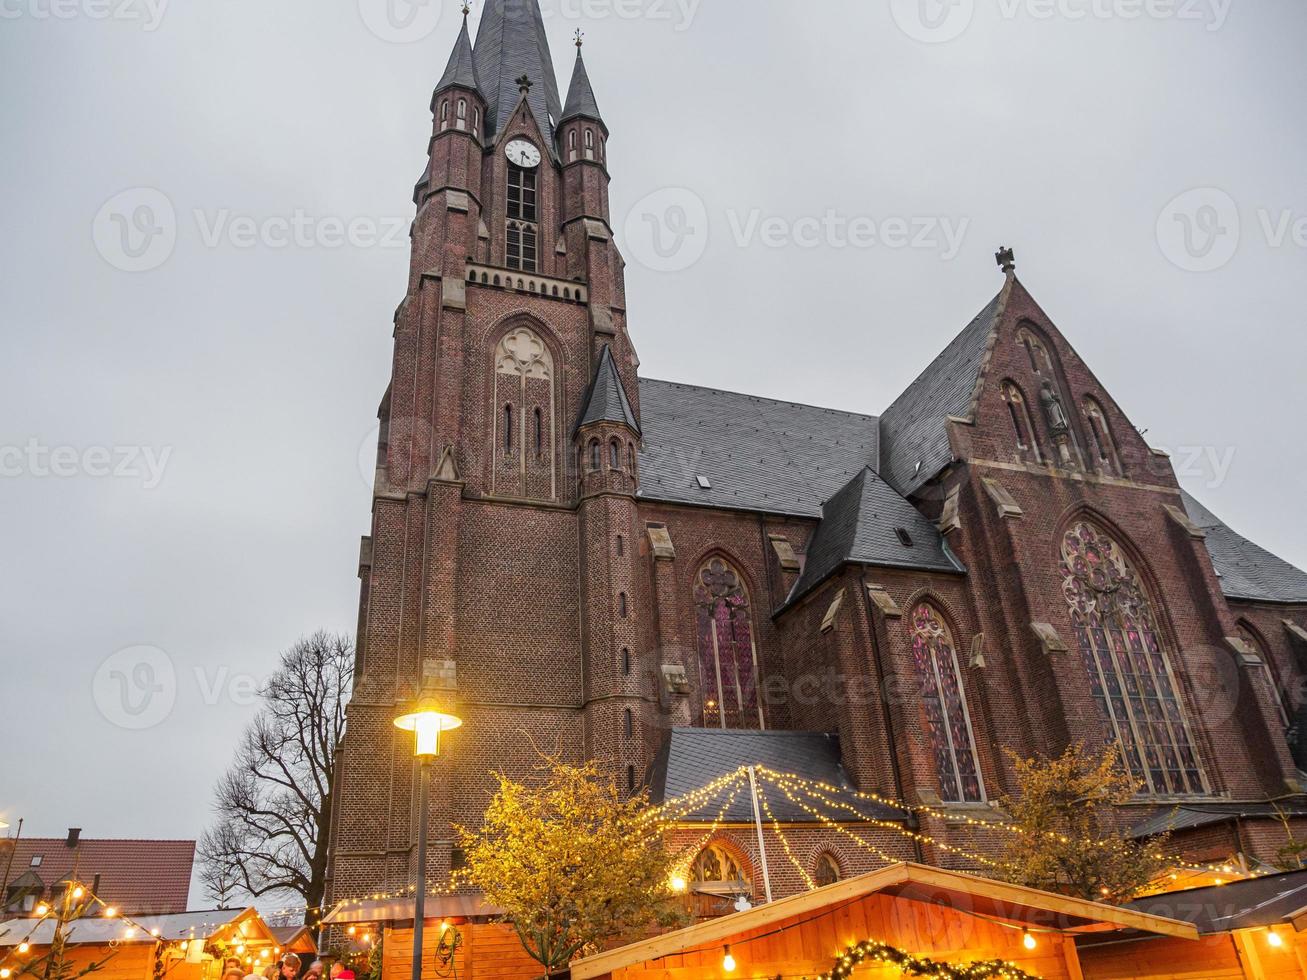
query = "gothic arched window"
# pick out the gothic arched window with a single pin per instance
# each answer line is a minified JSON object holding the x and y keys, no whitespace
{"x":1266,"y":674}
{"x":594,"y":455}
{"x":524,"y":390}
{"x":728,"y":664}
{"x":1040,"y":362}
{"x":717,"y":866}
{"x":1129,"y":669}
{"x":615,"y":455}
{"x":1105,"y":454}
{"x":827,"y":871}
{"x":1022,"y":422}
{"x":944,"y":703}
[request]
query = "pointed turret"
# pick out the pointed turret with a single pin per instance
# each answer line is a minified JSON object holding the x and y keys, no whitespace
{"x":461,"y":71}
{"x":512,"y":44}
{"x":581,"y":102}
{"x":606,"y":400}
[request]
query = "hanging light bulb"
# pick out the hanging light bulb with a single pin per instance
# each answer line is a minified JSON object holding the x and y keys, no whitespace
{"x":110,"y":911}
{"x":1027,"y":940}
{"x":24,"y":947}
{"x":43,"y":909}
{"x":728,"y":961}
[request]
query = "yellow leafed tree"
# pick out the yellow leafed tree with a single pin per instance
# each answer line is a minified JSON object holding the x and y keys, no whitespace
{"x":574,"y":866}
{"x":1070,"y":840}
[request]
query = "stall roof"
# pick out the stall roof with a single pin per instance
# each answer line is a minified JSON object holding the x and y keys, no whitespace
{"x":1250,"y":904}
{"x":181,"y":925}
{"x":401,"y":909}
{"x":913,"y":882}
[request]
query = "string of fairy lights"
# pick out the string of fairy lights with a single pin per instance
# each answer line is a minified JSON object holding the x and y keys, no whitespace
{"x":834,"y":808}
{"x":79,"y":899}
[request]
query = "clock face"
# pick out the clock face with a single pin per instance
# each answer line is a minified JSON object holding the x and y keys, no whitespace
{"x":523,"y":154}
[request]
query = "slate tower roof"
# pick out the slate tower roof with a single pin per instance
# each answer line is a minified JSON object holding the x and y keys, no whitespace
{"x":511,"y":42}
{"x":461,"y":69}
{"x":581,"y":96}
{"x":606,"y":400}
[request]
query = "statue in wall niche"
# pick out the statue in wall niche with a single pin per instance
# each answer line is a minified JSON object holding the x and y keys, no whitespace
{"x":1052,"y":403}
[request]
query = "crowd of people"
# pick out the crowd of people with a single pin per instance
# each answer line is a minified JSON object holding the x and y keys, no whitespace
{"x":289,"y":967}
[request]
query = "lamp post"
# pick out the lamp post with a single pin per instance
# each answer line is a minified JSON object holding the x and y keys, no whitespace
{"x":427,"y":721}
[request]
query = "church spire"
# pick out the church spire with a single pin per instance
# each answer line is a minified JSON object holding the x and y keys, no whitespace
{"x":461,"y":70}
{"x":581,"y":96}
{"x":511,"y":44}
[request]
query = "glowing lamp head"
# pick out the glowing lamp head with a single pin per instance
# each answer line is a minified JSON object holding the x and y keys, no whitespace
{"x":110,"y":912}
{"x":5,"y":974}
{"x":728,"y":961}
{"x":1028,"y":941}
{"x":1274,"y":940}
{"x":427,"y":723}
{"x":24,"y":947}
{"x":678,"y":884}
{"x":43,"y":909}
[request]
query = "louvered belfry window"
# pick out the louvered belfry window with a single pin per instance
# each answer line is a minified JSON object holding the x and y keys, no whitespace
{"x":523,"y":216}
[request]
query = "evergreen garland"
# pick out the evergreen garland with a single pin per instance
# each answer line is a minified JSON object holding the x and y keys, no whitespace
{"x":917,"y":966}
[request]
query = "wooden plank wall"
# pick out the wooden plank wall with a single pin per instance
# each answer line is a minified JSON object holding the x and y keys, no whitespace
{"x":489,"y":952}
{"x":1243,"y":956}
{"x":808,"y":947}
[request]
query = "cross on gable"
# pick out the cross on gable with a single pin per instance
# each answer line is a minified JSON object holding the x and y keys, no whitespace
{"x":524,"y":84}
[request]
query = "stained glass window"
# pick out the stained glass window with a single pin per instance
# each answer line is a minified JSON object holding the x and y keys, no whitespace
{"x":714,"y":864}
{"x":728,"y":667}
{"x":1129,"y":669}
{"x":943,"y":702}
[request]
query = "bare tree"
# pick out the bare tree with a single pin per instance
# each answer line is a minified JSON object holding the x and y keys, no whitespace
{"x":273,"y":806}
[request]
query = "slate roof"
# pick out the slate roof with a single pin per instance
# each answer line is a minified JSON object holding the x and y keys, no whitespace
{"x":135,"y":875}
{"x":1197,"y":816}
{"x":581,"y":96}
{"x":461,"y":69}
{"x":606,"y":400}
{"x":757,"y":454}
{"x":694,"y":757}
{"x":914,"y":442}
{"x":860,"y":525}
{"x":1252,"y":904}
{"x":511,"y":42}
{"x":1247,"y":570}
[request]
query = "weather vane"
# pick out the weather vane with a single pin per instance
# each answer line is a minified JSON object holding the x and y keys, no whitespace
{"x":467,"y":8}
{"x":580,"y":37}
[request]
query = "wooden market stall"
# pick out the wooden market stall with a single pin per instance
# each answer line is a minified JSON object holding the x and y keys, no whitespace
{"x":928,"y":913}
{"x":1251,"y":930}
{"x":461,"y":937}
{"x":186,"y":945}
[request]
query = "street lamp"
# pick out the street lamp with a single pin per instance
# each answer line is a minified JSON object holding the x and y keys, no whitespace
{"x":427,"y":721}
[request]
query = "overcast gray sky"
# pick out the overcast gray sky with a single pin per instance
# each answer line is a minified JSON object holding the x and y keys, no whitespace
{"x":1146,"y":159}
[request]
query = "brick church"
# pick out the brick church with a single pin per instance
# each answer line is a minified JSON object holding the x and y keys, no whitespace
{"x":678,"y":581}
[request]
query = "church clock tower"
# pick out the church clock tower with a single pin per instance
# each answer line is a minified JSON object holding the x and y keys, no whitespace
{"x":501,"y":568}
